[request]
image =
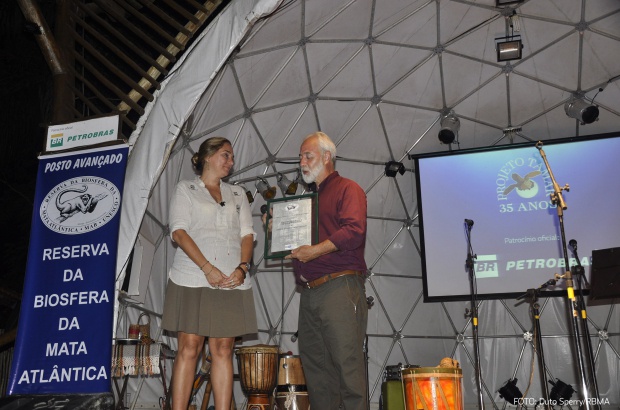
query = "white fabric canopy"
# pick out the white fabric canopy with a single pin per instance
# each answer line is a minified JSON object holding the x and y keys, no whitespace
{"x":377,"y":76}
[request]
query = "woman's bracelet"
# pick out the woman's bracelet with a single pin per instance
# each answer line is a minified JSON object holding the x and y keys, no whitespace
{"x":210,"y":270}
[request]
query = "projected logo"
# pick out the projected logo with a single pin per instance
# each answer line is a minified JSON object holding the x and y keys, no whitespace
{"x":80,"y":205}
{"x":521,"y":186}
{"x":526,"y":187}
{"x":486,"y":266}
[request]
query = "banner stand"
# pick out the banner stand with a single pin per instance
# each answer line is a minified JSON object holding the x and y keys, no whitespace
{"x":63,"y":348}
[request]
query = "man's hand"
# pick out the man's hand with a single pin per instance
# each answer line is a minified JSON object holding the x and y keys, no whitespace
{"x":306,"y":253}
{"x":264,"y":219}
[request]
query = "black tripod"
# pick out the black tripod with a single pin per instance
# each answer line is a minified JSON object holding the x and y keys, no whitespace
{"x":532,"y":296}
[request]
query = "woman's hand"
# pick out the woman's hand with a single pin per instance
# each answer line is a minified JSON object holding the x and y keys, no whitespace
{"x":215,"y":277}
{"x":236,"y":278}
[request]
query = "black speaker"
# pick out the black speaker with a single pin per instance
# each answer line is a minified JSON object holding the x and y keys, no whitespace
{"x":99,"y":401}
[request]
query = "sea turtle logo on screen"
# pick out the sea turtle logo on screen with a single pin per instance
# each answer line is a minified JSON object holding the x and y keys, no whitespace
{"x":523,"y":185}
{"x":80,"y":205}
{"x":526,"y":187}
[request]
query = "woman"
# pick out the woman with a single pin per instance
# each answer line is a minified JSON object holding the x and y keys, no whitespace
{"x":208,"y":292}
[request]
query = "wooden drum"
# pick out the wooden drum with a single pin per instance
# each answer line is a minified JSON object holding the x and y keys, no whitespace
{"x":290,"y":371}
{"x":291,"y":393}
{"x":258,"y":373}
{"x":433,"y":388}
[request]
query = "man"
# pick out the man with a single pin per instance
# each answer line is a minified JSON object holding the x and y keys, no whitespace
{"x":333,"y":309}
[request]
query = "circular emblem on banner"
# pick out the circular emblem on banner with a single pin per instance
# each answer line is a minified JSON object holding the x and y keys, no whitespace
{"x":80,"y":205}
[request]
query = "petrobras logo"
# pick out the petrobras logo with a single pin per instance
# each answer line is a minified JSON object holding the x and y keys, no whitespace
{"x":56,"y":140}
{"x":523,"y":185}
{"x":80,"y":205}
{"x":82,"y":133}
{"x":91,"y":135}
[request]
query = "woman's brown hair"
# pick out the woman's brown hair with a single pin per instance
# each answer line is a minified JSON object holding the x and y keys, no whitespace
{"x":209,"y":147}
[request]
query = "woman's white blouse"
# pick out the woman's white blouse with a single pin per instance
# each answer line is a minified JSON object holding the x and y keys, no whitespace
{"x":217,"y":229}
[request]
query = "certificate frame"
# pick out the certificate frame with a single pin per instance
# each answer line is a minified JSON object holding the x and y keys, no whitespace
{"x":304,"y":221}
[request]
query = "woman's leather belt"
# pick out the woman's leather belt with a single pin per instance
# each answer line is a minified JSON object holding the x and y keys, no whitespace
{"x":326,"y":278}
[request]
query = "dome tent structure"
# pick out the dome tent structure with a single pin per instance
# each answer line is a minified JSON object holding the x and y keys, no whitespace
{"x":377,"y":76}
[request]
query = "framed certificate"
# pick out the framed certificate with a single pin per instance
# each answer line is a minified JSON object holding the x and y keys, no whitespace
{"x":291,"y":223}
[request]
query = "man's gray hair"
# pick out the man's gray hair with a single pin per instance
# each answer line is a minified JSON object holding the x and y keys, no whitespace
{"x":325,"y":143}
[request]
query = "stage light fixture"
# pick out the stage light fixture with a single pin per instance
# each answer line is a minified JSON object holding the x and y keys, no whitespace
{"x":287,"y":186}
{"x":510,"y":392}
{"x":560,"y":390}
{"x":508,"y":48}
{"x":265,"y":190}
{"x":450,"y":125}
{"x":581,"y":110}
{"x":393,"y":167}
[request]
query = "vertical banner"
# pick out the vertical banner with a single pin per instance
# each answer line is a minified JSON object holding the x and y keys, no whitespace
{"x":64,"y":339}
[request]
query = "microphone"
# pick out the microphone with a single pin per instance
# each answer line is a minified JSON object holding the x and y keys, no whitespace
{"x":222,"y":203}
{"x":294,"y":337}
{"x":263,"y":209}
{"x":469,"y":222}
{"x":573,"y":244}
{"x":550,"y":282}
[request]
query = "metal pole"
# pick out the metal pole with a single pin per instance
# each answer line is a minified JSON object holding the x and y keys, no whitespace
{"x":474,"y":311}
{"x":558,"y":200}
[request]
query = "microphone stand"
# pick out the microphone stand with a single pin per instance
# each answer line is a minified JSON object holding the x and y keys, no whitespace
{"x":579,"y":273}
{"x":558,"y":200}
{"x":469,"y":263}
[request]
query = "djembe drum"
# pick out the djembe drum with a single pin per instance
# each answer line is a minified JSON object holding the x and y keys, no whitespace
{"x":258,"y":373}
{"x":291,"y":393}
{"x":433,"y":388}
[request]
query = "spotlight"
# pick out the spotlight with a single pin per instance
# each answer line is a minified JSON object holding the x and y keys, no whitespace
{"x":509,"y":48}
{"x":560,"y":390}
{"x":581,"y":110}
{"x":450,"y":125}
{"x":392,"y":167}
{"x":287,"y":186}
{"x":510,"y":392}
{"x":265,"y":190}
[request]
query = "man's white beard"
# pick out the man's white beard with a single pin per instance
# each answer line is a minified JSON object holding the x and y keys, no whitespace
{"x":311,"y":176}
